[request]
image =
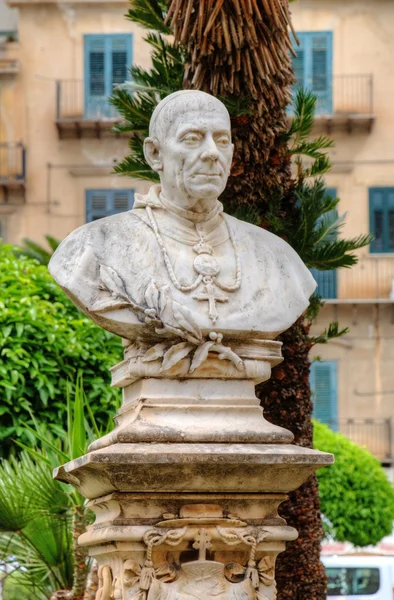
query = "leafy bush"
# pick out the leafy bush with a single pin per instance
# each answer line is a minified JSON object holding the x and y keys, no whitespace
{"x":356,"y":496}
{"x":44,"y":342}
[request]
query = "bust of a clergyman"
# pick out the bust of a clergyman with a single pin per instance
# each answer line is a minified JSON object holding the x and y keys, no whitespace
{"x":176,"y":265}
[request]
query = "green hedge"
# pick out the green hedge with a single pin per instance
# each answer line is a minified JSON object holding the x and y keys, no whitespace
{"x":44,"y":342}
{"x":356,"y":495}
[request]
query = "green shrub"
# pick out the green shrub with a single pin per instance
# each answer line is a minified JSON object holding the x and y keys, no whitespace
{"x":44,"y":342}
{"x":356,"y":496}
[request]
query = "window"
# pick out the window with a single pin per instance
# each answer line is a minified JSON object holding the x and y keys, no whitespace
{"x":352,"y":581}
{"x":381,"y":219}
{"x":313,"y":67}
{"x":103,"y":203}
{"x":323,"y":381}
{"x":326,"y":280}
{"x":107,"y":59}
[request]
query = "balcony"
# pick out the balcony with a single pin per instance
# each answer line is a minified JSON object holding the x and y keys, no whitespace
{"x":347,"y":104}
{"x":9,"y":64}
{"x":79,"y":115}
{"x":373,"y":434}
{"x":12,"y":171}
{"x":371,"y":280}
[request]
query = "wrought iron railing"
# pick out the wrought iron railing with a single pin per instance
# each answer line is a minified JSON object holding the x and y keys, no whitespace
{"x":373,"y":434}
{"x":345,"y":95}
{"x":326,"y":283}
{"x":8,"y":65}
{"x":12,"y":162}
{"x":74,"y":103}
{"x":372,"y":278}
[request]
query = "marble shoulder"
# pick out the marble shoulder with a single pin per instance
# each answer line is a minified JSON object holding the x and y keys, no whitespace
{"x":280,"y":250}
{"x":258,"y":234}
{"x":97,"y":239}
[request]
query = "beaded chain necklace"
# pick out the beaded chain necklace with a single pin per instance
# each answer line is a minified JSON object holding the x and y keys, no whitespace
{"x":205,"y":265}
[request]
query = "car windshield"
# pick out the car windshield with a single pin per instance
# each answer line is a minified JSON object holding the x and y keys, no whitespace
{"x":352,"y":581}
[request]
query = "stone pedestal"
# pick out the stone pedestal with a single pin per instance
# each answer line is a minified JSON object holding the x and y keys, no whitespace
{"x":186,"y":488}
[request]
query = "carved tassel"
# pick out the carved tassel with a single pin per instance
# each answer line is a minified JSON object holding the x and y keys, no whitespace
{"x":147,"y":575}
{"x":253,"y":574}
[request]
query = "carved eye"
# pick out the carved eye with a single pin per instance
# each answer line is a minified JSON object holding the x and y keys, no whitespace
{"x":223,"y":140}
{"x":192,"y":138}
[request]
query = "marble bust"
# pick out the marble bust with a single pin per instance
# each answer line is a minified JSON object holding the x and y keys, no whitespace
{"x":176,"y":265}
{"x":186,"y":487}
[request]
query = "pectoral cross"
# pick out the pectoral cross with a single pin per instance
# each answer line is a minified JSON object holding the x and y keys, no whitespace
{"x":212,"y":297}
{"x":202,"y":543}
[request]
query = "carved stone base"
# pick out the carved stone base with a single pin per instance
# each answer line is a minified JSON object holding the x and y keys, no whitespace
{"x":194,"y":410}
{"x":186,"y":490}
{"x":222,"y":547}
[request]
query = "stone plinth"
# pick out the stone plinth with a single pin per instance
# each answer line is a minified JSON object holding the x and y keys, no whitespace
{"x":181,"y":513}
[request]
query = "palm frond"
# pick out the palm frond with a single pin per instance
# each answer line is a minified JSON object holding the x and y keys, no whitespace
{"x":28,"y":491}
{"x":136,"y":168}
{"x":52,"y":242}
{"x":304,"y":106}
{"x":331,"y":333}
{"x":320,"y":165}
{"x":149,"y":14}
{"x":337,"y":254}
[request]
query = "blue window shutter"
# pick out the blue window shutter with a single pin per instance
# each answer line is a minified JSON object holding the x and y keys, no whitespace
{"x":327,"y":280}
{"x":313,"y":67}
{"x":121,"y":200}
{"x":96,"y":65}
{"x":107,"y":59}
{"x":321,"y":84}
{"x":323,"y":380}
{"x":381,"y":219}
{"x":104,"y":203}
{"x":299,"y":64}
{"x":121,"y":46}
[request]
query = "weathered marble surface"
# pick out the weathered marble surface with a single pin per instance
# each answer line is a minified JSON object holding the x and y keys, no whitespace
{"x":150,"y":269}
{"x":186,"y":487}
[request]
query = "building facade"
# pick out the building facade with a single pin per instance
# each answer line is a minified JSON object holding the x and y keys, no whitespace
{"x":345,"y":57}
{"x":58,"y":64}
{"x":58,"y":152}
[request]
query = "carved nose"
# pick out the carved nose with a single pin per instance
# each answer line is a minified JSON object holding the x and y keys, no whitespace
{"x":210,"y":154}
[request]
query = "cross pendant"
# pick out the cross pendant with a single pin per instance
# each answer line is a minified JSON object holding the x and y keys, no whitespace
{"x":211,"y":297}
{"x":202,"y":543}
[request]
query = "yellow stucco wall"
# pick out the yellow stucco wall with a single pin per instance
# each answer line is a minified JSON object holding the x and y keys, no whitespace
{"x":363,"y":43}
{"x":51,"y":48}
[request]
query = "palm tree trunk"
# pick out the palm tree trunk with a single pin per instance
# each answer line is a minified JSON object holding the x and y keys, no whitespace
{"x":240,"y":49}
{"x":287,"y":402}
{"x":81,"y":562}
{"x":92,"y":583}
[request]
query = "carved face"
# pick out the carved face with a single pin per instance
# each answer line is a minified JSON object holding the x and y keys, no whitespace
{"x":196,"y":154}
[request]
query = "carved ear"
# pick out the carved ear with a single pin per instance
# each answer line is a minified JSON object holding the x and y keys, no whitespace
{"x":152,"y":153}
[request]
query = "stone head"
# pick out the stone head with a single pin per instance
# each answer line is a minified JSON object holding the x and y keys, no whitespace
{"x":189,"y":145}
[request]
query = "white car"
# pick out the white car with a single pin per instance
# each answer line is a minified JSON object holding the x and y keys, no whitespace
{"x":359,"y":577}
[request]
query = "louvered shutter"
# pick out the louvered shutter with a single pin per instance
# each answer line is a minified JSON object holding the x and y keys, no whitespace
{"x":97,"y":204}
{"x":122,"y":200}
{"x":323,"y":381}
{"x":95,"y":86}
{"x":299,"y":66}
{"x":327,"y":280}
{"x":103,"y":203}
{"x":313,"y":67}
{"x":390,"y":219}
{"x":120,"y":58}
{"x":321,"y":71}
{"x":107,"y":58}
{"x":381,"y":218}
